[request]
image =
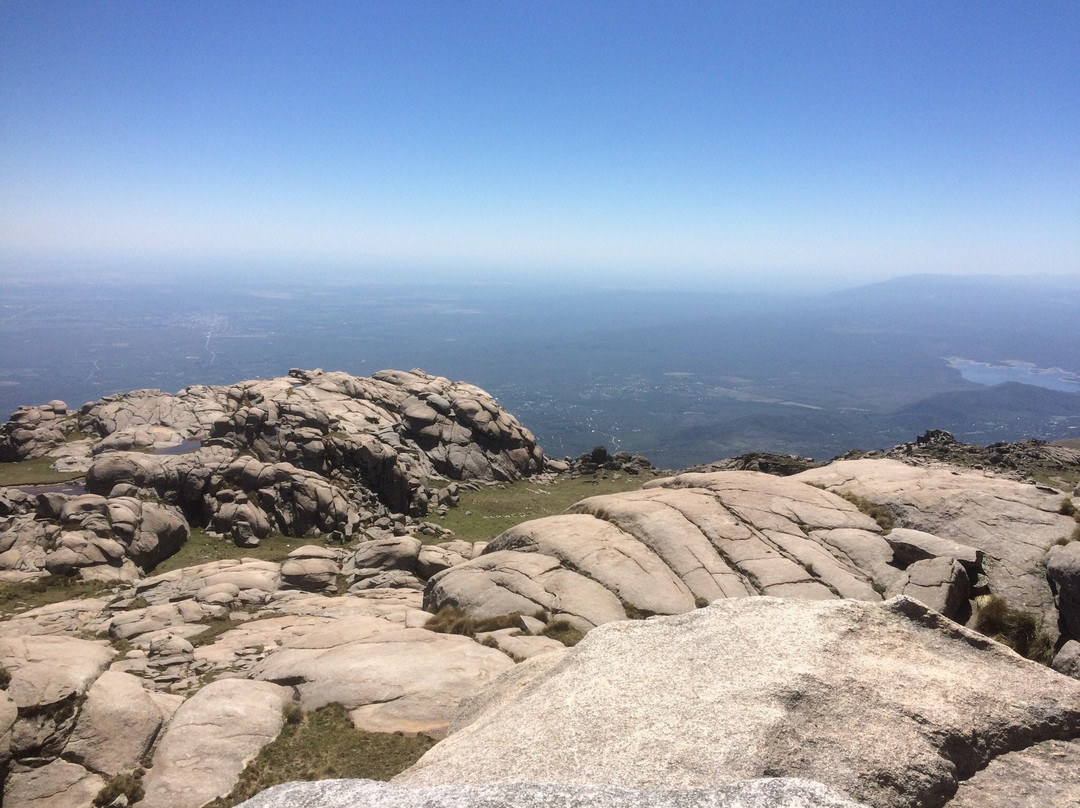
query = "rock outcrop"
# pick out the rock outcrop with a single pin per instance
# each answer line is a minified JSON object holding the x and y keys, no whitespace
{"x":887,"y":703}
{"x":1012,"y":523}
{"x":310,"y":453}
{"x":694,"y":538}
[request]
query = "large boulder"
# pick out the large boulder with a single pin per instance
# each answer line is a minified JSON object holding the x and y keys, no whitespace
{"x":888,"y":703}
{"x":116,"y":726}
{"x":765,"y":793}
{"x":210,"y":739}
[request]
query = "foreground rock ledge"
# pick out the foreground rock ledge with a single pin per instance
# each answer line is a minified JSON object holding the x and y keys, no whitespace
{"x":766,"y":793}
{"x":889,"y":704}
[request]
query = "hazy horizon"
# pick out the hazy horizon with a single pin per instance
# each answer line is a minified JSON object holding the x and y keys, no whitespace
{"x":740,"y":146}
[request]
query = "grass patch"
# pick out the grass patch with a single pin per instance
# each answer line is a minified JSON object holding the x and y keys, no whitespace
{"x":215,"y":627}
{"x":35,"y":472}
{"x":879,"y":513}
{"x":324,"y":745}
{"x":563,"y":632}
{"x":1066,"y":508}
{"x":1022,"y":631}
{"x":452,"y":620}
{"x":483,"y":514}
{"x":130,"y":785}
{"x":22,"y":597}
{"x":201,"y":548}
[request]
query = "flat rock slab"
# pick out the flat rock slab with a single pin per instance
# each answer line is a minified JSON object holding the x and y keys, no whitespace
{"x":389,"y":677}
{"x":210,"y":740}
{"x":765,"y":793}
{"x":888,"y":703}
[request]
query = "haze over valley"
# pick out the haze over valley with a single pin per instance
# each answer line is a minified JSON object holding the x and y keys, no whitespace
{"x":683,"y":377}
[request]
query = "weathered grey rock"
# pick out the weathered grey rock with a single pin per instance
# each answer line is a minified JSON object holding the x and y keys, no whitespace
{"x":49,"y":674}
{"x":34,"y":431}
{"x":210,"y":739}
{"x":940,"y":583}
{"x":910,"y":546}
{"x":682,"y":542}
{"x":1067,"y":660}
{"x":311,"y":568}
{"x":393,"y":553}
{"x":58,"y":784}
{"x":766,"y":793}
{"x":116,"y":725}
{"x":8,"y":714}
{"x":390,"y":678}
{"x":1012,"y":523}
{"x":506,"y":582}
{"x":1063,"y":572}
{"x":1043,"y":775}
{"x":888,"y":703}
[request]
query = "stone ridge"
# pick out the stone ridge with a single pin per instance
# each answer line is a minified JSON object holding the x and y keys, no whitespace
{"x":694,"y":538}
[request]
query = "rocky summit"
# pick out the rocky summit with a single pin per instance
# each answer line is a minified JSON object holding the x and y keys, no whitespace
{"x":761,"y":631}
{"x":308,"y":453}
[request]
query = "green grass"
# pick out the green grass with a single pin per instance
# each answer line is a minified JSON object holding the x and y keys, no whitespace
{"x":215,"y":627}
{"x":201,"y":548}
{"x":324,"y":745}
{"x":34,"y":472}
{"x":21,"y":597}
{"x":1020,"y":630}
{"x":484,"y":514}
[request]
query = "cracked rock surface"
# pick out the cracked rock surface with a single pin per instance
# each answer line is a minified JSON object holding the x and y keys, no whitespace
{"x":887,"y":703}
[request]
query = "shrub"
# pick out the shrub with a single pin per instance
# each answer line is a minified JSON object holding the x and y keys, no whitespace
{"x":1066,"y":508}
{"x":452,"y":620}
{"x":563,"y":632}
{"x":293,"y":713}
{"x":879,"y":513}
{"x":129,"y":785}
{"x":1020,"y":630}
{"x":5,"y":677}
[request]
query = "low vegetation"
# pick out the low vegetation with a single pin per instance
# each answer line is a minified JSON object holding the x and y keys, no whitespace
{"x":1020,"y":630}
{"x":202,"y":548}
{"x":452,"y":620}
{"x":323,"y":745}
{"x":38,"y":471}
{"x":22,"y":597}
{"x":879,"y":513}
{"x":215,"y":627}
{"x":563,"y":632}
{"x":485,"y":513}
{"x":128,"y":785}
{"x":1066,"y":508}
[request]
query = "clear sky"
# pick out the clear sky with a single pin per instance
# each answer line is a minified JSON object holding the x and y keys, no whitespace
{"x":675,"y":142}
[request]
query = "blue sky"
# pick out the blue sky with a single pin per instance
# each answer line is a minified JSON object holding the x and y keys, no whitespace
{"x":671,"y":143}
